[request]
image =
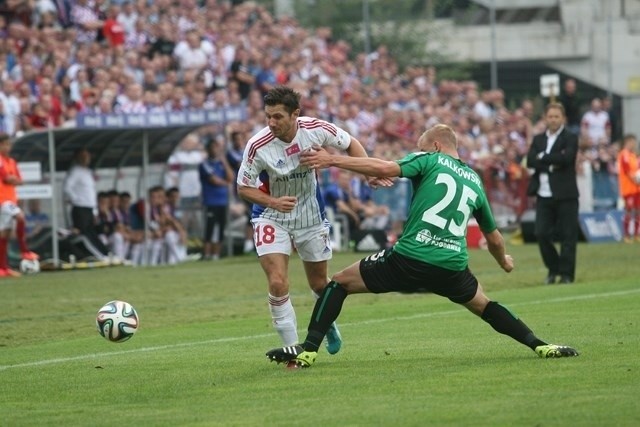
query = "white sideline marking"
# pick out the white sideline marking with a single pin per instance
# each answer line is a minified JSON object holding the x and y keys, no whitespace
{"x":250,"y":337}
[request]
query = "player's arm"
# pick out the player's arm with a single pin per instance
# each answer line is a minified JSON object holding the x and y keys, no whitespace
{"x":355,"y":149}
{"x":495,"y":244}
{"x":320,"y":159}
{"x":259,"y":197}
{"x":565,"y":158}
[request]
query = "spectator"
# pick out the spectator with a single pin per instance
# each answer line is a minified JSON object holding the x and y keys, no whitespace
{"x":338,"y":198}
{"x":35,"y":219}
{"x":569,"y":100}
{"x":86,"y":21}
{"x":234,"y":158}
{"x":175,"y":236}
{"x":80,"y":190}
{"x":183,"y":173}
{"x":596,"y":124}
{"x":553,"y":158}
{"x":216,"y":177}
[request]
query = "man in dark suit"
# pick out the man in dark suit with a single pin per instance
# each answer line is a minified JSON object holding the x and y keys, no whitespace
{"x":553,"y":157}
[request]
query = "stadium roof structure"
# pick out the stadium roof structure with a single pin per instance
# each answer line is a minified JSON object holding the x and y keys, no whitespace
{"x":118,"y":140}
{"x":115,"y":141}
{"x":109,"y":148}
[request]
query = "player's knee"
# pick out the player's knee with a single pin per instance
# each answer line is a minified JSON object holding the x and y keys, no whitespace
{"x":278,"y":286}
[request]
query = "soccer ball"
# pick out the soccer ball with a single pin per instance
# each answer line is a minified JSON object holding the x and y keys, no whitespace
{"x":117,"y":321}
{"x":29,"y":266}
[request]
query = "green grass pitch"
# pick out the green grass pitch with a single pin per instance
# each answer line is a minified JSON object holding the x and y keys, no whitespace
{"x":408,"y":360}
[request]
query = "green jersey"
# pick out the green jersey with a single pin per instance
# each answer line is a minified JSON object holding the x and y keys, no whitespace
{"x":445,"y":193}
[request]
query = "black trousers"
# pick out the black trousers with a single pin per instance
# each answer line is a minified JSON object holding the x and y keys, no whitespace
{"x":557,"y":220}
{"x":83,"y":219}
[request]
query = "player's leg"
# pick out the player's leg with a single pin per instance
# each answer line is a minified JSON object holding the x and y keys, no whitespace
{"x":210,"y":219}
{"x":4,"y":251}
{"x":325,"y":312}
{"x":21,"y":235}
{"x":314,"y":248}
{"x":629,"y":201}
{"x":283,"y":316}
{"x":504,"y":321}
{"x":273,"y":245}
{"x":7,"y":213}
{"x":218,"y":235}
{"x":567,"y":227}
{"x":546,"y":218}
{"x":317,"y":277}
{"x":636,"y":206}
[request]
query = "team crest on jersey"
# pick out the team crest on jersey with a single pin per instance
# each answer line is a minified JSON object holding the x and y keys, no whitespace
{"x":280,"y":163}
{"x":292,"y":150}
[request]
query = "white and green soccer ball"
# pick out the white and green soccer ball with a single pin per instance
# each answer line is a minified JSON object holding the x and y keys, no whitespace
{"x":117,"y":321}
{"x":29,"y":266}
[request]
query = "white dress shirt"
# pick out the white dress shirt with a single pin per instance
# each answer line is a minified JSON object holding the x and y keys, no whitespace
{"x":545,"y":188}
{"x":80,"y":187}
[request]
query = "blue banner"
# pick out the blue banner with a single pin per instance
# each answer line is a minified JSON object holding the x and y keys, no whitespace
{"x":161,"y":119}
{"x":603,"y":226}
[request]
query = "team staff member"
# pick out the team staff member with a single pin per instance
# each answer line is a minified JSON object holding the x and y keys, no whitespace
{"x":80,"y":190}
{"x":216,"y":176}
{"x":552,"y":155}
{"x":431,"y":256}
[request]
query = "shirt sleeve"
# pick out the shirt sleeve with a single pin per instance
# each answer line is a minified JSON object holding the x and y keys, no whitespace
{"x":484,"y":216}
{"x":334,"y":136}
{"x":413,"y":164}
{"x":249,"y":172}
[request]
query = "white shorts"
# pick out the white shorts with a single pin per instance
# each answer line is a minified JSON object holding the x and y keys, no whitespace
{"x":312,"y":243}
{"x":8,"y":210}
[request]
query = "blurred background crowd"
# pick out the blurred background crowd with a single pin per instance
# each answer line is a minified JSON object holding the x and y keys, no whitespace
{"x":61,"y":58}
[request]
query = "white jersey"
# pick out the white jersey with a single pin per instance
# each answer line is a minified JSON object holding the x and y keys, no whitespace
{"x":596,"y":124}
{"x":274,"y":167}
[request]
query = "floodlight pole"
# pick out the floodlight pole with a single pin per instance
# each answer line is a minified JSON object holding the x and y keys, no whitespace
{"x":55,"y":250}
{"x":494,"y":63}
{"x":146,"y":253}
{"x":366,"y":19}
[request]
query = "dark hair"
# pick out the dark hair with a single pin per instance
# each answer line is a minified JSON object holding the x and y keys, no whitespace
{"x":283,"y":95}
{"x":112,"y":193}
{"x":125,"y":194}
{"x":172,"y":190}
{"x":155,"y":189}
{"x":4,"y":137}
{"x":103,"y":194}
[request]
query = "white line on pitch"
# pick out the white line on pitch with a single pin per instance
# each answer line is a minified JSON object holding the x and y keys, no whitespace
{"x":250,"y":337}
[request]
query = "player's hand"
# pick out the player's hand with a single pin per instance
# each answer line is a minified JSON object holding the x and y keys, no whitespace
{"x":284,"y":204}
{"x":375,"y":182}
{"x":507,"y":264}
{"x":315,"y":158}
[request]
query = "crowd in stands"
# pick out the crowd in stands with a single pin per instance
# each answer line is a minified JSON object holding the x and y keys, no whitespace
{"x":65,"y":57}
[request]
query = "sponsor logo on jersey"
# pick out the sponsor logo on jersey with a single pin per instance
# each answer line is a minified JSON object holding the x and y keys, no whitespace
{"x":425,"y":236}
{"x":280,"y":163}
{"x":292,"y":150}
{"x":294,"y":175}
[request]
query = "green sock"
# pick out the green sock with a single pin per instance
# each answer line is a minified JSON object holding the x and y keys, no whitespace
{"x":505,"y":322}
{"x":325,"y":312}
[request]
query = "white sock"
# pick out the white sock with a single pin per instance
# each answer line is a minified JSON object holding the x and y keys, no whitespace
{"x":156,"y":252}
{"x":118,"y":245}
{"x":284,"y":319}
{"x":136,"y":254}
